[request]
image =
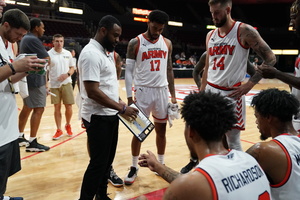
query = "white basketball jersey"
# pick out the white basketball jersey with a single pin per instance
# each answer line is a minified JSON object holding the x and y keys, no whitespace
{"x":227,"y":58}
{"x":151,"y":62}
{"x":289,"y":188}
{"x":235,"y":176}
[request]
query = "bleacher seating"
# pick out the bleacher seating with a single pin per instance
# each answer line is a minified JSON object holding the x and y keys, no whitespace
{"x":67,"y":29}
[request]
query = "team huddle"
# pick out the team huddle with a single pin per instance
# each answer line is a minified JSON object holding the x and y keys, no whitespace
{"x":213,"y":117}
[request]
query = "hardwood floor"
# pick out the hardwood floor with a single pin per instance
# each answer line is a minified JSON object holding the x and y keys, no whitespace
{"x":57,"y":174}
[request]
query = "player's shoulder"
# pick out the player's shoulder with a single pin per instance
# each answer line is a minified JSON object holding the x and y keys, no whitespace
{"x":134,"y":41}
{"x":167,"y":41}
{"x":190,"y":186}
{"x":246,"y":27}
{"x":263,"y":150}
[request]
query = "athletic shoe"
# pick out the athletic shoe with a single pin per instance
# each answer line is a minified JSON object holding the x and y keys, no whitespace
{"x":188,"y":167}
{"x":34,"y":146}
{"x":23,"y":142}
{"x":69,"y":130}
{"x":57,"y":135}
{"x":130,"y":178}
{"x":114,"y":179}
{"x":11,"y":198}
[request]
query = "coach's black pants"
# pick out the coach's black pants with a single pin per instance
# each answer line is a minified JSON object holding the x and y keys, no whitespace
{"x":102,"y":133}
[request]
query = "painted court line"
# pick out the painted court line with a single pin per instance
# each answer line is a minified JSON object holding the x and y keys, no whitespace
{"x":58,"y":144}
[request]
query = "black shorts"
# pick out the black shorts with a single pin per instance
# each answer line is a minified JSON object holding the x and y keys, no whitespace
{"x":10,"y":162}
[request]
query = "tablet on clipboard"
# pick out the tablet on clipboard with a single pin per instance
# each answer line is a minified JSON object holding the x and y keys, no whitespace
{"x":141,"y":127}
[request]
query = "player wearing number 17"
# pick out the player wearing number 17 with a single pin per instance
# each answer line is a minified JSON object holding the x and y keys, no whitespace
{"x":149,"y":68}
{"x":226,"y":64}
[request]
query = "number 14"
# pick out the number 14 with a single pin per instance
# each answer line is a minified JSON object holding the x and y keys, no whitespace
{"x":219,"y":63}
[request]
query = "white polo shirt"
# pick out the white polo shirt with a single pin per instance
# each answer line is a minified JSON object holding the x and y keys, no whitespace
{"x":60,"y":64}
{"x":94,"y":64}
{"x":8,"y":110}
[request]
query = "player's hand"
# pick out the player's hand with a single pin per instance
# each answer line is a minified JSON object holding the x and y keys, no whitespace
{"x":29,"y":63}
{"x":267,"y":71}
{"x":148,"y":160}
{"x":237,"y":92}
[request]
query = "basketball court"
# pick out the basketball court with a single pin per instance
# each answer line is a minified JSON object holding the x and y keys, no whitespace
{"x":57,"y":174}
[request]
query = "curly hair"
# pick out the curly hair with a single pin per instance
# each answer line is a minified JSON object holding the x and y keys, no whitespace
{"x":295,"y":7}
{"x":277,"y":103}
{"x":209,"y":114}
{"x":158,"y":16}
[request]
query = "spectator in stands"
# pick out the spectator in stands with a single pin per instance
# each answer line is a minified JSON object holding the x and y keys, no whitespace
{"x":60,"y":70}
{"x":36,"y":101}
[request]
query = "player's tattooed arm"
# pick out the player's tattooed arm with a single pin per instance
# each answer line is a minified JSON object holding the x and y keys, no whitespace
{"x":169,"y":174}
{"x":131,"y":48}
{"x":250,"y":37}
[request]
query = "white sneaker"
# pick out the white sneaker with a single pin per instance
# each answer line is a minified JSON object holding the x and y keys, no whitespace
{"x":130,"y":178}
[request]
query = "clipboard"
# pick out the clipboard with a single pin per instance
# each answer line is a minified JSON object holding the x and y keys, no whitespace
{"x":141,"y":127}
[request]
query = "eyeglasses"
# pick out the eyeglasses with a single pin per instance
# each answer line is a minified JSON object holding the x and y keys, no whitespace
{"x":11,"y":85}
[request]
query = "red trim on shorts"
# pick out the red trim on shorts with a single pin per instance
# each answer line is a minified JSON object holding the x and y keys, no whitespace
{"x":210,"y":181}
{"x":224,"y":88}
{"x":160,"y":119}
{"x":289,"y":166}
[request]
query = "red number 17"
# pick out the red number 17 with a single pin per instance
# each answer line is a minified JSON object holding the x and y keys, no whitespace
{"x":155,"y":64}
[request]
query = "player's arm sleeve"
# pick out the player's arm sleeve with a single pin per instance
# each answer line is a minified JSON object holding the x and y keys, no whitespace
{"x":130,"y":63}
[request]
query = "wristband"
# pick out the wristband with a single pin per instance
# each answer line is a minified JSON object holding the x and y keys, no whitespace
{"x":12,"y":68}
{"x":123,"y":110}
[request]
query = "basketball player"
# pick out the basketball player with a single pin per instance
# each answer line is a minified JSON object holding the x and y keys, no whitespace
{"x":221,"y":174}
{"x":292,"y":80}
{"x":228,"y":49}
{"x":149,"y":67}
{"x":197,"y":78}
{"x":279,"y":157}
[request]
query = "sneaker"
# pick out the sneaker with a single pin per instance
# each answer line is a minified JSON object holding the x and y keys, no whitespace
{"x":114,"y":179}
{"x":69,"y":130}
{"x":188,"y":167}
{"x":130,"y":178}
{"x":11,"y":198}
{"x":57,"y":135}
{"x":34,"y":146}
{"x":23,"y":142}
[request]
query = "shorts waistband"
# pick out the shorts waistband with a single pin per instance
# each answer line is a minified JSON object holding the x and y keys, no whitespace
{"x":223,"y":88}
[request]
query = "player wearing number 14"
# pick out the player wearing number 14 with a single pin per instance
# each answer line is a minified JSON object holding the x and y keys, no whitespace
{"x":226,"y":64}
